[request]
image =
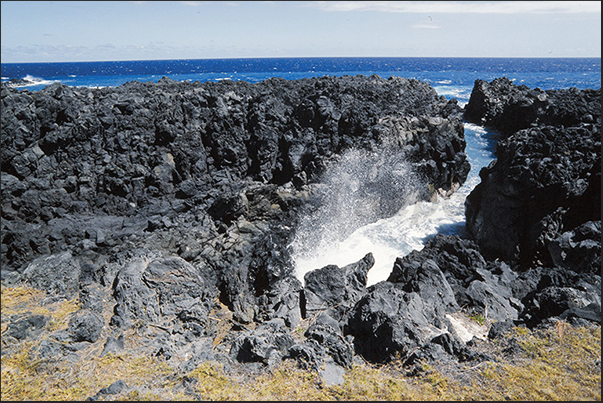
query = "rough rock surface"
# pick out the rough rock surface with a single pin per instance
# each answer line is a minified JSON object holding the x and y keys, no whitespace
{"x":507,"y":108}
{"x":335,"y":290}
{"x":546,"y":180}
{"x":211,"y":172}
{"x":166,"y":209}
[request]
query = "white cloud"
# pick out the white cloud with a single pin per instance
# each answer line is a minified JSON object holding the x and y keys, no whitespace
{"x":194,"y":3}
{"x":425,"y":26}
{"x":483,"y":7}
{"x":201,"y":3}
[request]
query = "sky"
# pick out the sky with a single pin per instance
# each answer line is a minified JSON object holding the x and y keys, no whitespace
{"x":71,"y":31}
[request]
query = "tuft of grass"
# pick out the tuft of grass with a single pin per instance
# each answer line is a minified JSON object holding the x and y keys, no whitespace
{"x":22,"y":299}
{"x":478,"y":318}
{"x":18,"y":299}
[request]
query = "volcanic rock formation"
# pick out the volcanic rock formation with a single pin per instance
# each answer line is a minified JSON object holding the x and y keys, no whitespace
{"x":168,"y":208}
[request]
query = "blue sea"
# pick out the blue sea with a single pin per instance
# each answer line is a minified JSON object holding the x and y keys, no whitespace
{"x":450,"y":75}
{"x":413,"y":225}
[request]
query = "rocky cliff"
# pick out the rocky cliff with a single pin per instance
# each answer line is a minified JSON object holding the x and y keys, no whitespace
{"x":546,"y":181}
{"x":166,"y":209}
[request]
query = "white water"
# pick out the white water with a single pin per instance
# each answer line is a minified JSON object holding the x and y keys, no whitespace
{"x":323,"y":239}
{"x":32,"y":81}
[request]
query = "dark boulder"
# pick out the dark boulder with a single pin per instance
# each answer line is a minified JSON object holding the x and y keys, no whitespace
{"x":163,"y":291}
{"x":22,"y":326}
{"x":578,"y":250}
{"x":325,"y":350}
{"x":335,"y":290}
{"x":267,"y":344}
{"x":389,"y":322}
{"x":113,"y":345}
{"x":328,"y":334}
{"x":555,"y":292}
{"x":58,"y":274}
{"x":475,"y":284}
{"x":85,"y":325}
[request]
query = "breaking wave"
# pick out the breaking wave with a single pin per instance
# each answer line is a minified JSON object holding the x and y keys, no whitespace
{"x":388,"y":221}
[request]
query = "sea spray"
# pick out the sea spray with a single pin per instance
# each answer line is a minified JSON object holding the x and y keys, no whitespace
{"x":359,"y":188}
{"x":346,"y":225}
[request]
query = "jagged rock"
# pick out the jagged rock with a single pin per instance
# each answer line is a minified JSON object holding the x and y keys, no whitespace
{"x":113,"y":345}
{"x":281,"y":300}
{"x":545,"y":181}
{"x":411,"y":310}
{"x":335,"y":290}
{"x":21,"y":327}
{"x":327,"y":333}
{"x":564,"y":301}
{"x":85,"y":325}
{"x":332,"y":373}
{"x":147,"y":153}
{"x":324,"y":350}
{"x":507,"y":108}
{"x":114,"y":388}
{"x":207,"y":178}
{"x":589,"y":313}
{"x":427,"y":281}
{"x":549,"y":292}
{"x":309,"y":355}
{"x":199,"y":351}
{"x":92,"y":297}
{"x":162,"y":199}
{"x":499,"y":328}
{"x":388,"y":322}
{"x":578,"y":250}
{"x":158,"y":290}
{"x":547,"y":176}
{"x":476,"y":284}
{"x":58,"y":274}
{"x":267,"y":344}
{"x":52,"y":350}
{"x":443,"y":347}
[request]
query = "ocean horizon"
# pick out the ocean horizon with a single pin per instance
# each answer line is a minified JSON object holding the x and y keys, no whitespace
{"x":545,"y":73}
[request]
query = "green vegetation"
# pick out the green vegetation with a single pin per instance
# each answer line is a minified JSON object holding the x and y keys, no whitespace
{"x":478,"y":318}
{"x":558,"y":363}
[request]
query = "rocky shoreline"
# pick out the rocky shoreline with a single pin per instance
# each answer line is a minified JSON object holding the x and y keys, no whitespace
{"x":168,"y":208}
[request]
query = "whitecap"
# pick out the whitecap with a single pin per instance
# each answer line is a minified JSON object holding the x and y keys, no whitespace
{"x":30,"y":81}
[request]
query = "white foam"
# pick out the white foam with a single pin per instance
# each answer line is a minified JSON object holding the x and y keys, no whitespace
{"x":32,"y":81}
{"x":461,"y":93}
{"x":392,"y":237}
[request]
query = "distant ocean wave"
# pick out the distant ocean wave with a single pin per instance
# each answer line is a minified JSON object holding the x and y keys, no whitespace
{"x":451,"y":77}
{"x":27,"y":81}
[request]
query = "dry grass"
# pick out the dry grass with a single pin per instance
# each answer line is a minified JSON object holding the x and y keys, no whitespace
{"x":559,"y":363}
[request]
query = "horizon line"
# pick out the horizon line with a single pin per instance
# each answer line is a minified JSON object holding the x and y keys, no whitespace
{"x":314,"y":57}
